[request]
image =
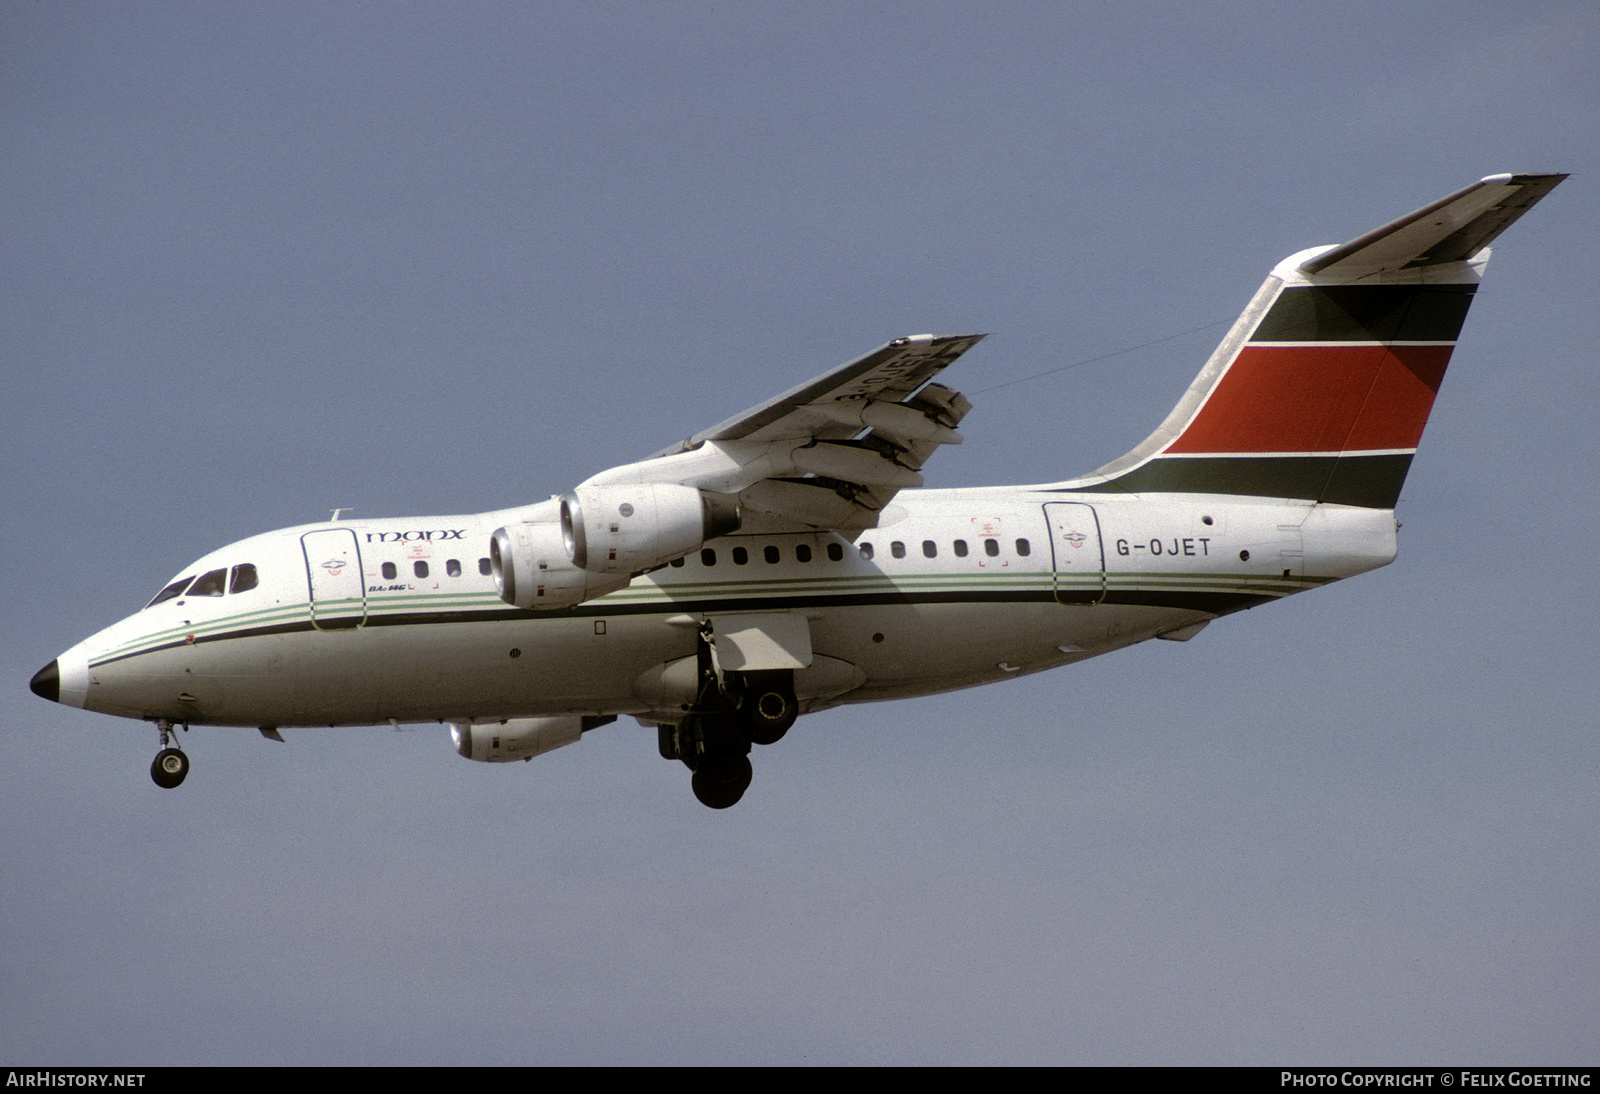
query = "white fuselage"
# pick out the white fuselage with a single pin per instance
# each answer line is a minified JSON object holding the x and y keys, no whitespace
{"x":361,"y":622}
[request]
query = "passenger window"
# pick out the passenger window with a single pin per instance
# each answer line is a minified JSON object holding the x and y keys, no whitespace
{"x":929,"y":549}
{"x":961,"y":548}
{"x":740,"y":556}
{"x":244,"y":578}
{"x":802,"y":552}
{"x":835,"y":552}
{"x":991,"y":547}
{"x":211,"y":584}
{"x":483,"y":567}
{"x":175,"y":589}
{"x":389,"y":571}
{"x":708,"y":557}
{"x":453,"y":567}
{"x":420,"y":569}
{"x":897,"y":549}
{"x":676,"y":562}
{"x":771,"y":553}
{"x":866,"y":550}
{"x":1023,"y":548}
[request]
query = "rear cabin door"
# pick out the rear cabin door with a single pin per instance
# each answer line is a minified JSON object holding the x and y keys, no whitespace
{"x":1079,"y":559}
{"x":338,"y":587}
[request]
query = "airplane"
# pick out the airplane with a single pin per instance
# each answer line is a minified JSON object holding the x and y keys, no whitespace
{"x":787,"y":560}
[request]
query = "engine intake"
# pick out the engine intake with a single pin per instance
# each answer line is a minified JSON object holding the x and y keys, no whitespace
{"x":531,"y":569}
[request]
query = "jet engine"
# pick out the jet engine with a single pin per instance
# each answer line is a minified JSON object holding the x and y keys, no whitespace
{"x":604,"y":536}
{"x":521,"y":738}
{"x":630,"y":529}
{"x":531,"y":568}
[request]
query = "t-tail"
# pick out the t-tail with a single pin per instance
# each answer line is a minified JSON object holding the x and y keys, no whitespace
{"x":1322,"y":388}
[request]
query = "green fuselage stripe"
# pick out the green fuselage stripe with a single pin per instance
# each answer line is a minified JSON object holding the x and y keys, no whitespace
{"x":1216,"y":594}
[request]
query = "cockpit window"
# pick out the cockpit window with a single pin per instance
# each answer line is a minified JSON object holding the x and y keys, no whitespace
{"x":211,"y":584}
{"x":175,"y":589}
{"x":244,"y":578}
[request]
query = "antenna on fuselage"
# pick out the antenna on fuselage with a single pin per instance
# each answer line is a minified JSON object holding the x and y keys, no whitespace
{"x":336,"y":513}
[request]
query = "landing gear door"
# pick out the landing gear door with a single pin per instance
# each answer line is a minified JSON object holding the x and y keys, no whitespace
{"x":338,"y":587}
{"x":760,"y":643}
{"x":1079,"y":560}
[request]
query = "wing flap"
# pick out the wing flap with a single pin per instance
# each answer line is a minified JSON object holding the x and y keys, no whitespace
{"x":888,"y":374}
{"x":831,"y":452}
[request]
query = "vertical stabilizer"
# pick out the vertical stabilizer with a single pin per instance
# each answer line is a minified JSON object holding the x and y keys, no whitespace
{"x":1322,"y":388}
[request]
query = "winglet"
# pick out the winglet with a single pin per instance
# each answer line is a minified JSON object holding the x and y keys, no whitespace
{"x":1452,"y":229}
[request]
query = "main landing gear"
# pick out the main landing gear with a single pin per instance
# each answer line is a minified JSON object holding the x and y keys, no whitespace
{"x":171,"y":763}
{"x":731,"y":712}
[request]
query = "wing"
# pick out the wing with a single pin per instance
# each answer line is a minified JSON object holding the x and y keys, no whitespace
{"x":830,"y":453}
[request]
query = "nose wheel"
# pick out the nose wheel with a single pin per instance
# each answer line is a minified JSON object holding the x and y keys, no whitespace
{"x":171,"y":763}
{"x":169,"y":767}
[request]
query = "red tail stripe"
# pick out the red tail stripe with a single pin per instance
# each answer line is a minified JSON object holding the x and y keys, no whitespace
{"x":1327,"y":398}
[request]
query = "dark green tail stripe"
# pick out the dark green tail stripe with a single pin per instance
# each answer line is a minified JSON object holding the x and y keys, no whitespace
{"x":1366,"y":313}
{"x":1371,"y":481}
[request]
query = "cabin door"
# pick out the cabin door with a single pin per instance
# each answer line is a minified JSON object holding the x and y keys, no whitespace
{"x":1079,"y":560}
{"x":338,"y":587}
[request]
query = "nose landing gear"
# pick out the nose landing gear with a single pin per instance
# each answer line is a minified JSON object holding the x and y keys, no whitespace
{"x":171,"y":763}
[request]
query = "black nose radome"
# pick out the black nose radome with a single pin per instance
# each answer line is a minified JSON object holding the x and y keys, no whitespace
{"x":46,"y":683}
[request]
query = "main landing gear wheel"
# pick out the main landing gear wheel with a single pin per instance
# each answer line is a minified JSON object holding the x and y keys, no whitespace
{"x":169,"y":767}
{"x":720,"y":781}
{"x":767,"y":713}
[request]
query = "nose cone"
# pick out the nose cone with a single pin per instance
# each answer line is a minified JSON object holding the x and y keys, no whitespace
{"x":46,"y":683}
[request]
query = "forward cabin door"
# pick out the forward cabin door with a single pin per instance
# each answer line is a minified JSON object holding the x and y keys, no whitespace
{"x":338,"y":587}
{"x":1078,"y":558}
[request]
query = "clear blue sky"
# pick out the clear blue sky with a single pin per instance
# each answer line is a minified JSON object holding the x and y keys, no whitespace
{"x":266,"y":260}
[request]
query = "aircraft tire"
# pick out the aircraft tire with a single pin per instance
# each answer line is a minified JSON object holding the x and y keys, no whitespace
{"x":721,"y":781}
{"x":169,"y":767}
{"x":768,"y":713}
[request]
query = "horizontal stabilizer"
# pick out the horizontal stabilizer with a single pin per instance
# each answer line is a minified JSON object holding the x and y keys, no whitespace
{"x":1452,"y":229}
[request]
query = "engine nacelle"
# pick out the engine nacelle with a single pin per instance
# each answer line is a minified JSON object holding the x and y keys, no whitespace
{"x":520,"y":738}
{"x":531,"y":568}
{"x":605,"y":535}
{"x":629,"y":529}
